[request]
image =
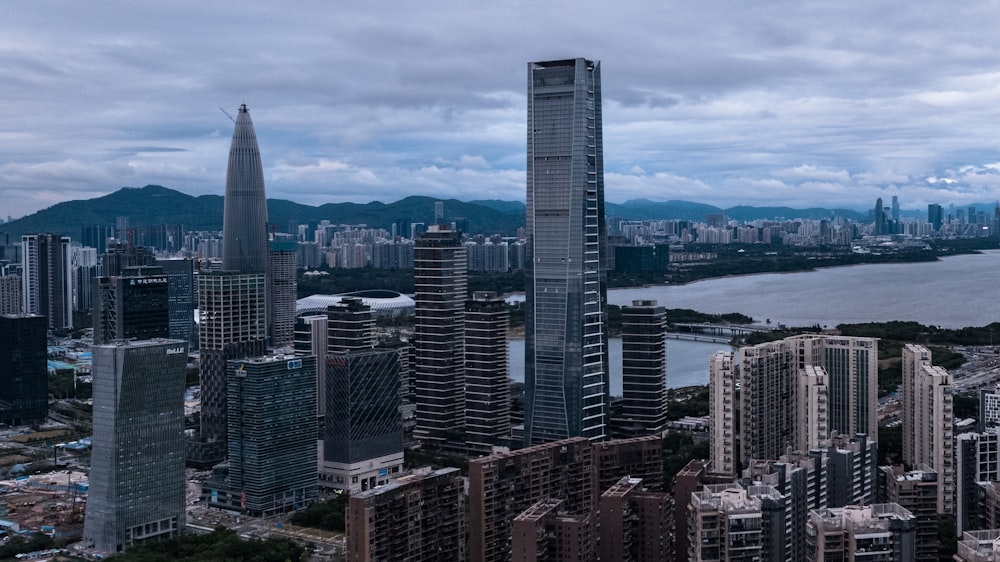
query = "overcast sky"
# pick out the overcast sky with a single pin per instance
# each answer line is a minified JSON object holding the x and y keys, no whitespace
{"x":757,"y":103}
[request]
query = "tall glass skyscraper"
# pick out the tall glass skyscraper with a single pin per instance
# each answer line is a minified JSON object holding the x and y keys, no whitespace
{"x":566,"y":361}
{"x":244,"y":219}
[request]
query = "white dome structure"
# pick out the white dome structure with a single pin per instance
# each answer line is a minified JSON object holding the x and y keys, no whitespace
{"x":382,"y":302}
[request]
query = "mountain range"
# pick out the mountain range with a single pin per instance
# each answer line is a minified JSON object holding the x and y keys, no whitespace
{"x":155,"y":204}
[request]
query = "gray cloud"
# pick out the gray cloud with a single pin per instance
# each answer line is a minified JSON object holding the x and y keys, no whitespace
{"x":728,"y":103}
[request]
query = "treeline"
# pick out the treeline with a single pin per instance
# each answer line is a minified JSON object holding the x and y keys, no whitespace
{"x":221,"y":544}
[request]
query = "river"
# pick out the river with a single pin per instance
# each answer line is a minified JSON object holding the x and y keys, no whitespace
{"x":954,"y":292}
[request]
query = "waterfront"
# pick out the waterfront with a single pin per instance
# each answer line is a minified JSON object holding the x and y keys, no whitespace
{"x":687,"y":362}
{"x":954,"y":292}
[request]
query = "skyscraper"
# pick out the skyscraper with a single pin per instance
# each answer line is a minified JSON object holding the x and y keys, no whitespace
{"x":134,"y":305}
{"x":566,"y":360}
{"x":644,"y":367}
{"x":487,"y":391}
{"x":439,"y":274}
{"x":233,"y":302}
{"x":137,"y":486}
{"x":928,"y":421}
{"x":281,"y":288}
{"x":24,"y":376}
{"x":244,"y":220}
{"x":47,"y":282}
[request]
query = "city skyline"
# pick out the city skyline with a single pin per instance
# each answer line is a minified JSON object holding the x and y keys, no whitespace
{"x":796,"y":105}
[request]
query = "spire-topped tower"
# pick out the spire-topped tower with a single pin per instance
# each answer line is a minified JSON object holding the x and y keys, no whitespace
{"x":244,"y":222}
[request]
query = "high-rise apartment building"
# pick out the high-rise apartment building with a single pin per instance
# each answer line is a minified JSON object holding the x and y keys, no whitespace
{"x":635,"y":524}
{"x":439,"y":275}
{"x":503,"y":485}
{"x":917,"y":491}
{"x":566,"y":357}
{"x":644,"y":368}
{"x":137,"y":483}
{"x":418,"y":517}
{"x":487,"y":390}
{"x":729,"y":522}
{"x":855,"y":533}
{"x":24,"y":375}
{"x":928,"y":420}
{"x":794,"y":393}
{"x":975,"y":461}
{"x":272,"y":435}
{"x":544,"y":532}
{"x":47,"y":279}
{"x":132,"y":306}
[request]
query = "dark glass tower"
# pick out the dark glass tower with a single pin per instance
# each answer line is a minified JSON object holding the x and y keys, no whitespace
{"x":24,"y":376}
{"x":244,"y":222}
{"x":566,"y":362}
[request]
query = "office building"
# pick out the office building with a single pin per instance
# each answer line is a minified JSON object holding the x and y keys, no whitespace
{"x":281,"y":290}
{"x":47,"y":279}
{"x":350,"y":325}
{"x":124,"y":254}
{"x":635,"y":523}
{"x":503,"y":485}
{"x":917,"y":491}
{"x":10,"y":294}
{"x":181,"y":299}
{"x":362,"y":432}
{"x":935,"y":216}
{"x":439,"y":275}
{"x":928,"y":420}
{"x":644,"y":368}
{"x":244,"y":221}
{"x":975,"y":461}
{"x":418,"y":517}
{"x":24,"y":375}
{"x":96,"y":236}
{"x":232,"y":326}
{"x":487,"y":389}
{"x":133,"y":306}
{"x":137,"y":481}
{"x":884,"y":532}
{"x":272,"y":436}
{"x":566,"y":358}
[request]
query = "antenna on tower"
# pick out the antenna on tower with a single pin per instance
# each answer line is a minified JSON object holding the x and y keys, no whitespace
{"x":227,"y":115}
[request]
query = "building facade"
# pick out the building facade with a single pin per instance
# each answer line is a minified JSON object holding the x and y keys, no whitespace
{"x":644,"y":368}
{"x":439,"y":275}
{"x":928,"y":420}
{"x":47,"y":279}
{"x":281,"y":290}
{"x":133,"y":306}
{"x":487,"y":390}
{"x":137,"y":479}
{"x":244,"y":220}
{"x":24,"y":375}
{"x":272,"y":435}
{"x":566,"y":360}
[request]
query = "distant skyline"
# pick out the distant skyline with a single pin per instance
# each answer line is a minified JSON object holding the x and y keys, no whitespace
{"x":784,"y":103}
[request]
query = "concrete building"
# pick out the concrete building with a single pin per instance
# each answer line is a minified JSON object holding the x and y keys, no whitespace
{"x":884,"y":532}
{"x":439,"y":274}
{"x":851,"y":469}
{"x":10,"y":294}
{"x":282,"y":284}
{"x":727,"y":522}
{"x":545,"y":533}
{"x":644,"y":368}
{"x":47,"y":279}
{"x":722,"y":410}
{"x":636,"y":524}
{"x":566,"y":361}
{"x":979,"y":546}
{"x":928,"y":421}
{"x":24,"y":375}
{"x":137,"y":481}
{"x":503,"y":485}
{"x":487,"y":388}
{"x":233,"y":325}
{"x":917,"y":491}
{"x":418,"y":518}
{"x":272,"y":437}
{"x":975,"y":461}
{"x":638,"y":457}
